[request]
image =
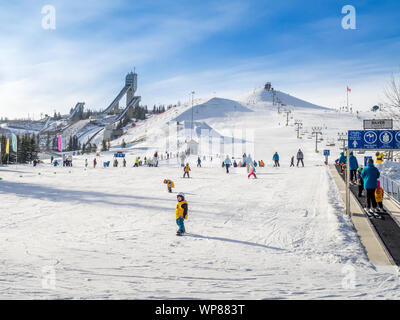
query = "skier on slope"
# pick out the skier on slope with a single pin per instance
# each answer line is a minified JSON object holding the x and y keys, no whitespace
{"x":181,"y":213}
{"x":186,"y":170}
{"x":300,"y":157}
{"x":227,"y":163}
{"x":248,"y":162}
{"x":275,"y":158}
{"x":292,"y":162}
{"x":170,"y":184}
{"x":252,"y":172}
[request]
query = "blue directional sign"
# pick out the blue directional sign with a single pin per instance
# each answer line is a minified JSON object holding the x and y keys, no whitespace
{"x":356,"y":139}
{"x":119,"y":155}
{"x":396,"y":142}
{"x":374,"y":139}
{"x":327,"y":153}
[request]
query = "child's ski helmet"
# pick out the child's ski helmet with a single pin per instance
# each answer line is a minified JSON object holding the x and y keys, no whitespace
{"x":181,"y":194}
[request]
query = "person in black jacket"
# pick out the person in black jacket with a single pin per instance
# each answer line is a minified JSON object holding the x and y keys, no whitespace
{"x":360,"y":182}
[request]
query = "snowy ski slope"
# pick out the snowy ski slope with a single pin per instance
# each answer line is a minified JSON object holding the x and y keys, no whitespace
{"x":109,"y":233}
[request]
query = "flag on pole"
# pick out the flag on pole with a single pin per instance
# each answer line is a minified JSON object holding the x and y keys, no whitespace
{"x":14,"y":142}
{"x":60,"y":143}
{"x":348,"y":89}
{"x":8,"y":146}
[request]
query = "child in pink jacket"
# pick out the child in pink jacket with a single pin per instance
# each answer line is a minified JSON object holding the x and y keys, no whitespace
{"x":252,"y":172}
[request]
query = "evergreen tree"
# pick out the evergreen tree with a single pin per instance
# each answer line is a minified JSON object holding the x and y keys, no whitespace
{"x":104,"y":145}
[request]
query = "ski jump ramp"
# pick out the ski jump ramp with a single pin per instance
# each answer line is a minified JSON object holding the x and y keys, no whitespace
{"x":131,"y":100}
{"x":78,"y":108}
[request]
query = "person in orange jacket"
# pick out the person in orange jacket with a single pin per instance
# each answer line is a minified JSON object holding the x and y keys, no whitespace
{"x":379,"y":194}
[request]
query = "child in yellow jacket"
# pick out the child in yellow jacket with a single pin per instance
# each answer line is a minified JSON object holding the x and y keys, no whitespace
{"x":379,"y":193}
{"x":181,"y":213}
{"x":186,"y":169}
{"x":170,"y":184}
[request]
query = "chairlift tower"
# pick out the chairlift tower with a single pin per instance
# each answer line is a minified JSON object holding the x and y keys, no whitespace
{"x":342,"y":136}
{"x":288,"y":112}
{"x":316,"y":131}
{"x":299,"y":125}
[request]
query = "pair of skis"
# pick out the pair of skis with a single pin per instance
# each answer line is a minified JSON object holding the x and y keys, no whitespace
{"x":374,"y":214}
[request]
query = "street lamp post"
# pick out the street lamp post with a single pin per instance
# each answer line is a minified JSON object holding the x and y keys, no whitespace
{"x":191,"y":131}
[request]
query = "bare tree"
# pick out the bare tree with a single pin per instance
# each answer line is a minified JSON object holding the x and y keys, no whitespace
{"x":392,"y":91}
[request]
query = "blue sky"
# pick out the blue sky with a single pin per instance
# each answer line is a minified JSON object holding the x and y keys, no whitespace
{"x":222,"y":48}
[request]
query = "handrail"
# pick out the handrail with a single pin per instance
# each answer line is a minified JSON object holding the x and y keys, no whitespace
{"x":391,"y":188}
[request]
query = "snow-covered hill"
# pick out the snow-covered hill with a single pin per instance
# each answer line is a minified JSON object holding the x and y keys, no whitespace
{"x":213,"y":108}
{"x":260,"y":95}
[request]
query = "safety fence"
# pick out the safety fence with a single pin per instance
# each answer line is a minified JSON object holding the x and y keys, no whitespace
{"x":391,"y":188}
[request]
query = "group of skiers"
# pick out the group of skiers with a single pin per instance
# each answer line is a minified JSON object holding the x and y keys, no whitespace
{"x":366,"y":179}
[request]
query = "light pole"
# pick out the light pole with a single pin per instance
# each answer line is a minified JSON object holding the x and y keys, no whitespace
{"x":191,"y":131}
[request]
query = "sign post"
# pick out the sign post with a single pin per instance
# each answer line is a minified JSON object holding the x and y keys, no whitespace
{"x":347,"y":175}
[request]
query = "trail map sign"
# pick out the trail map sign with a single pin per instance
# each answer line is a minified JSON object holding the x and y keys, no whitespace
{"x":378,"y":124}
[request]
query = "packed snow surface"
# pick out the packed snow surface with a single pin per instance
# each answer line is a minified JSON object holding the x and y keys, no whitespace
{"x":109,"y":233}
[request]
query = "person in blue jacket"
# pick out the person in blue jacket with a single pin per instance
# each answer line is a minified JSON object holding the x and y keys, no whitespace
{"x":275,"y":158}
{"x":227,"y":163}
{"x":248,"y":162}
{"x":342,"y":158}
{"x":370,"y":175}
{"x":353,"y":166}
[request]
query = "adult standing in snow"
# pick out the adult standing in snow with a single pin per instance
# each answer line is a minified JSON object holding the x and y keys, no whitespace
{"x":86,"y":163}
{"x":370,"y":175}
{"x":198,"y":162}
{"x":124,"y":162}
{"x":51,"y":159}
{"x":94,"y":163}
{"x":249,"y":162}
{"x":300,"y":157}
{"x":228,"y":163}
{"x":353,"y":166}
{"x":275,"y":158}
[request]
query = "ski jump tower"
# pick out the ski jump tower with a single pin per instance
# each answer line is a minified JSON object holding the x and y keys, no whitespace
{"x":131,"y":100}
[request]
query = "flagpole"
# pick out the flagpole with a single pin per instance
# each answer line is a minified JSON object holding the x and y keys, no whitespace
{"x":347,"y":90}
